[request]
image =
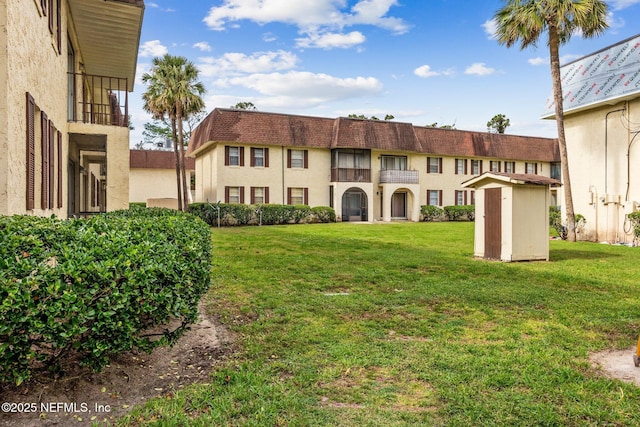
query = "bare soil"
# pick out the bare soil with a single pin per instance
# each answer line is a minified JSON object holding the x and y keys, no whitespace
{"x":617,"y":364}
{"x":81,"y":397}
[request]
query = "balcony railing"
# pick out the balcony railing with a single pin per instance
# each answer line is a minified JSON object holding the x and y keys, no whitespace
{"x":104,"y":101}
{"x":389,"y":176}
{"x":350,"y":175}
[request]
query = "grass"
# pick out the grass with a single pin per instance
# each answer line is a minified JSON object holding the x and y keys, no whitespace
{"x":398,"y":325}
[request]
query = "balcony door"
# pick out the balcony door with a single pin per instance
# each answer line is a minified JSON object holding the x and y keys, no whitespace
{"x":354,"y":205}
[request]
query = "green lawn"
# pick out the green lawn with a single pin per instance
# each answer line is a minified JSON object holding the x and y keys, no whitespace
{"x":398,"y":325}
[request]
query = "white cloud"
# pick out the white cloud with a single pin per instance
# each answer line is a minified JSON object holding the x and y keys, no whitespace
{"x":490,"y":28}
{"x":269,"y":37}
{"x":331,"y":40}
{"x":306,"y":88}
{"x":233,"y":63}
{"x":152,"y":5}
{"x":153,"y":48}
{"x":425,"y":71}
{"x":538,"y":61}
{"x":568,"y":58}
{"x":479,"y":69}
{"x":622,"y":4}
{"x":318,"y":19}
{"x":203,"y":46}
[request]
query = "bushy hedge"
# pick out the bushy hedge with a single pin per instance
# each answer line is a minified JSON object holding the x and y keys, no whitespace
{"x":634,"y":218}
{"x":460,"y":213}
{"x":431,"y":213}
{"x":556,"y":222}
{"x":95,"y":287}
{"x":270,"y":214}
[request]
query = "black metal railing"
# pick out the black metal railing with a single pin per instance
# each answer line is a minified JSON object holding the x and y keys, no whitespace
{"x":350,"y":175}
{"x":104,"y":100}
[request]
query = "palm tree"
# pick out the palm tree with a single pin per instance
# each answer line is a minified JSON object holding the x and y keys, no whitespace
{"x":174,"y":91}
{"x":523,"y":21}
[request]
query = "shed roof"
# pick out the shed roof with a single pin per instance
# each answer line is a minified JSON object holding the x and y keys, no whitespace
{"x":512,"y":178}
{"x":261,"y":128}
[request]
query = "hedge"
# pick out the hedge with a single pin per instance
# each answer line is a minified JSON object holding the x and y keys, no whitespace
{"x":92,"y":288}
{"x":232,"y":214}
{"x":460,"y":213}
{"x":431,"y":213}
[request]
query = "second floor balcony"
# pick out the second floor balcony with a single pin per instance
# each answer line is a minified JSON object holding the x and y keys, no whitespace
{"x":391,"y":176}
{"x":101,"y":100}
{"x":350,"y":175}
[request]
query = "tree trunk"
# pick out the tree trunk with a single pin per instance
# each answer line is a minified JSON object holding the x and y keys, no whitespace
{"x":177,"y":156}
{"x":183,"y":171}
{"x":554,"y":47}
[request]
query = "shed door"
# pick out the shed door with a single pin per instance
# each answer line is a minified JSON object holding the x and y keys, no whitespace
{"x":493,"y":223}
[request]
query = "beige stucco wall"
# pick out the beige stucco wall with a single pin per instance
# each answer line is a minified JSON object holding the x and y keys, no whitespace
{"x":596,"y":143}
{"x":153,"y":184}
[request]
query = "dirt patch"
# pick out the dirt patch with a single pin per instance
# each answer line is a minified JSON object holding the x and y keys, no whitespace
{"x":617,"y":364}
{"x":81,"y":398}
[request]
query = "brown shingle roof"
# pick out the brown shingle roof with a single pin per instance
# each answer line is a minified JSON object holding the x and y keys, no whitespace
{"x":156,"y":159}
{"x":254,"y":127}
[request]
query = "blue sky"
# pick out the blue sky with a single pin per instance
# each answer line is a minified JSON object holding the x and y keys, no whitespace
{"x":423,"y":61}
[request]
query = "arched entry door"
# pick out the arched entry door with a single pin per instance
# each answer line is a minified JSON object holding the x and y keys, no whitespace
{"x":354,"y":205}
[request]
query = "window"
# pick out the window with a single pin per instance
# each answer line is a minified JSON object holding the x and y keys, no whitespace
{"x":556,"y":171}
{"x":461,"y":198}
{"x":398,"y":163}
{"x":531,"y":168}
{"x":297,"y":196}
{"x":259,"y":195}
{"x":510,"y":167}
{"x":476,"y":167}
{"x":494,"y":166}
{"x":461,"y":166}
{"x":434,"y":197}
{"x":233,"y":156}
{"x":260,"y":157}
{"x":434,"y":164}
{"x":297,"y":159}
{"x":234,"y":194}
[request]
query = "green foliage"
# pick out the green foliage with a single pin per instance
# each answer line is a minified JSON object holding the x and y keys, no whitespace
{"x":460,"y":213}
{"x":560,"y":226}
{"x":634,"y":217}
{"x":269,"y":214}
{"x":95,"y":287}
{"x":134,"y":205}
{"x":431,"y":213}
{"x":498,"y":123}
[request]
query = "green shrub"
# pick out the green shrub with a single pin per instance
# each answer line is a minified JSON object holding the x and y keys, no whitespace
{"x":96,"y":287}
{"x":460,"y":213}
{"x":323,"y":214}
{"x":430,"y":212}
{"x":560,"y":226}
{"x":634,"y":218}
{"x":134,"y":205}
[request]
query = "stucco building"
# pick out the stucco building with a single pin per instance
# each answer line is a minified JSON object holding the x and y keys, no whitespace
{"x":66,"y":69}
{"x":602,"y":124}
{"x":367,"y":170}
{"x":152,"y":175}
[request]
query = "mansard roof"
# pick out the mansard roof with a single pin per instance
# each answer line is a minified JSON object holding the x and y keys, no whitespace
{"x":232,"y":126}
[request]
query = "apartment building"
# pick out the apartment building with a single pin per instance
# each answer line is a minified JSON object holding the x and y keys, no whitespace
{"x":152,"y":175}
{"x":367,"y":170}
{"x":66,"y":69}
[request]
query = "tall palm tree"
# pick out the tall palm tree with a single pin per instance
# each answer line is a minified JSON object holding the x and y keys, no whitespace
{"x":523,"y":21}
{"x":174,"y":90}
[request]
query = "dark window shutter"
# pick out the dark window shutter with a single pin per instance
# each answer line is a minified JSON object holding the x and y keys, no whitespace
{"x":465,"y":166}
{"x":456,"y":166}
{"x":226,"y":155}
{"x":465,"y":197}
{"x":439,"y":197}
{"x":306,"y":195}
{"x":266,"y":157}
{"x":252,"y":160}
{"x":253,"y":195}
{"x":59,"y":169}
{"x":241,"y":156}
{"x":306,"y":159}
{"x":480,"y":167}
{"x":31,"y":152}
{"x":59,"y":24}
{"x":288,"y":158}
{"x":266,"y":195}
{"x":440,"y":165}
{"x":44,"y":171}
{"x":241,"y":194}
{"x":50,"y":7}
{"x":428,"y":164}
{"x":288,"y":195}
{"x":226,"y":194}
{"x":52,"y":165}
